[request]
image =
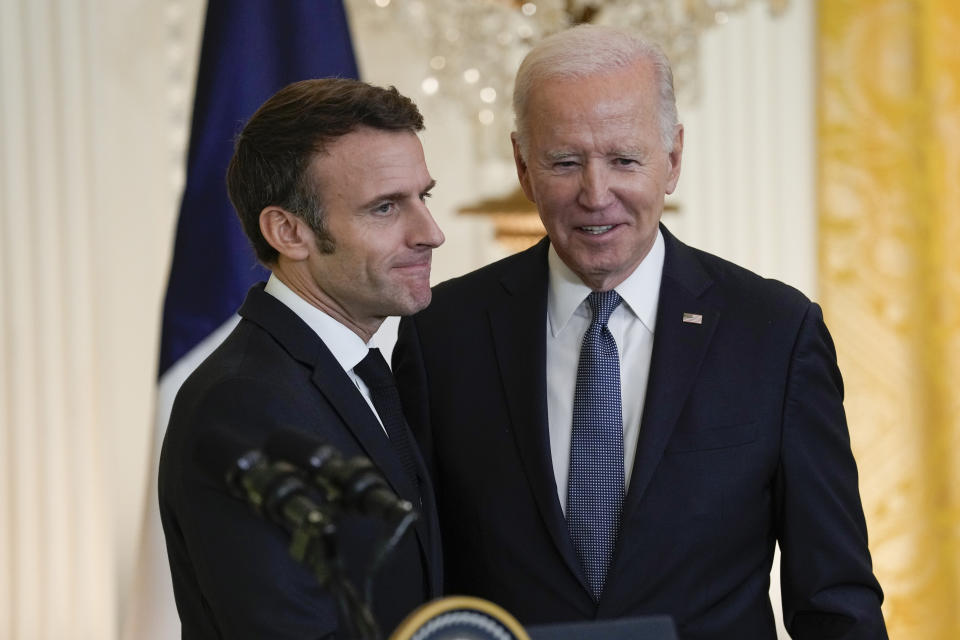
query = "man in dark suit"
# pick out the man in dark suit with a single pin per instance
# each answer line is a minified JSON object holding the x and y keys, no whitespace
{"x":619,"y":424}
{"x":330,"y":183}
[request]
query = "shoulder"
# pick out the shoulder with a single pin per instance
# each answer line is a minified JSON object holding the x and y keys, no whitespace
{"x":248,"y":381}
{"x":724,"y":281}
{"x":245,"y":354}
{"x":506,"y":276}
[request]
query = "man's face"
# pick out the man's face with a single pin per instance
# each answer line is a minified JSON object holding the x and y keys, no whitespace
{"x":597,"y":169}
{"x":373,"y":186}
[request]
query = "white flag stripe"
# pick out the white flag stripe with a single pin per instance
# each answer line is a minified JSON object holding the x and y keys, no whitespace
{"x":151,"y":613}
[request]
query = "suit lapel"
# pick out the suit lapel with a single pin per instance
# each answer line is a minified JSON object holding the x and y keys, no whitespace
{"x":346,"y":400}
{"x":518,"y":325}
{"x":337,"y":389}
{"x":679,"y":345}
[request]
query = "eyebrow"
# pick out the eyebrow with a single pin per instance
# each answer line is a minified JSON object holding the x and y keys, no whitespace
{"x":628,"y":153}
{"x":559,"y":155}
{"x":396,"y":195}
{"x":618,"y":153}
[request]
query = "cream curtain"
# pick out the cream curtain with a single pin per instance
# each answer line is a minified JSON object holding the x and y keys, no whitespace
{"x":889,"y":215}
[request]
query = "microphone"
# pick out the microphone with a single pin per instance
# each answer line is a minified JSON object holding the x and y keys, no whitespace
{"x":276,"y":490}
{"x":304,"y":489}
{"x":354,"y":483}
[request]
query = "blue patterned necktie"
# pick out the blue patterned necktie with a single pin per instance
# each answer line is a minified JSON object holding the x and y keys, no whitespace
{"x":596,"y":482}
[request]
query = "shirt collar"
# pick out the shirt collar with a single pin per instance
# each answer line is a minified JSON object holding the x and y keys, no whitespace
{"x":345,"y":345}
{"x":640,"y":291}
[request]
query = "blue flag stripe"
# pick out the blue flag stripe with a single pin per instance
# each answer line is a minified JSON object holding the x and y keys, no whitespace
{"x":251,"y":48}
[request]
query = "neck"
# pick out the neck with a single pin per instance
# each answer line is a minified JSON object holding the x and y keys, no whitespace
{"x":306,"y":287}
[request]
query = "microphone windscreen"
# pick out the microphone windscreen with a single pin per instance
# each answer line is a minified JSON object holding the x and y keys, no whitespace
{"x":296,"y":447}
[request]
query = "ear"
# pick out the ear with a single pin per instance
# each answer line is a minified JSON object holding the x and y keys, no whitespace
{"x":286,"y":233}
{"x":523,"y":173}
{"x":675,"y":158}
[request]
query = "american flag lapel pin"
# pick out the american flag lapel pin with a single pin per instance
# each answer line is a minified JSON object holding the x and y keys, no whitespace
{"x":693,"y":318}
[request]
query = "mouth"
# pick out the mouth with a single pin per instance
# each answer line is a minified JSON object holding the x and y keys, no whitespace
{"x":596,"y":230}
{"x":420,"y":265}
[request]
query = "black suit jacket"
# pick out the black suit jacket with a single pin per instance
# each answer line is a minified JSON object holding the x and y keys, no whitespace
{"x":743,"y":442}
{"x":233,"y":576}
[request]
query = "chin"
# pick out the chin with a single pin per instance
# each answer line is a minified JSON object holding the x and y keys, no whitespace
{"x":416,"y":301}
{"x":422,"y":302}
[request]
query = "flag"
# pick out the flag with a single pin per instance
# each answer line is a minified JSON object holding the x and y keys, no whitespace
{"x":251,"y":49}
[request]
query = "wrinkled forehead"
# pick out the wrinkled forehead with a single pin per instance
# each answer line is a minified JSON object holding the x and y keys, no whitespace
{"x":372,"y":160}
{"x":613,"y":96}
{"x":619,"y":98}
{"x":639,"y":74}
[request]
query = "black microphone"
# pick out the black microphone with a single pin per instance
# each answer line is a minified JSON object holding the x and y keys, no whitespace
{"x":354,"y":483}
{"x":276,"y":490}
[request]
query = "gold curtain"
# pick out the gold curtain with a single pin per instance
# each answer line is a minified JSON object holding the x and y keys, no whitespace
{"x":889,"y":259}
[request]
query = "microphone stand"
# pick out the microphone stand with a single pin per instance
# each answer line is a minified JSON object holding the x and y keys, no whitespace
{"x":386,"y":547}
{"x":279,"y":491}
{"x":313,"y":544}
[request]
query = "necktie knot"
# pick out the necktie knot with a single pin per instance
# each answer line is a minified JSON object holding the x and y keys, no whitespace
{"x":603,"y":303}
{"x":374,"y":370}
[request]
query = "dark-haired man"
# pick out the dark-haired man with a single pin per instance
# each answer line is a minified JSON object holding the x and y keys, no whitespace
{"x":329,"y":180}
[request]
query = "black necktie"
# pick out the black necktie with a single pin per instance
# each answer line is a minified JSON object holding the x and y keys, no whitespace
{"x":375,"y":373}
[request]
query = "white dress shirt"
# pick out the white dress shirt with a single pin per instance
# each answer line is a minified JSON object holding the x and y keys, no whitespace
{"x":345,"y":345}
{"x":632,"y":326}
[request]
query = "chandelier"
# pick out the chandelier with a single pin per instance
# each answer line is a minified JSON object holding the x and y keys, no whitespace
{"x":475,"y":46}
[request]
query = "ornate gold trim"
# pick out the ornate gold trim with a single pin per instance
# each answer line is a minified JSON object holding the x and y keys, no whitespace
{"x":435,"y":608}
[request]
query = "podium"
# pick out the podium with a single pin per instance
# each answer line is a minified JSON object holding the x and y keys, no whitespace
{"x":645,"y":628}
{"x":469,"y":618}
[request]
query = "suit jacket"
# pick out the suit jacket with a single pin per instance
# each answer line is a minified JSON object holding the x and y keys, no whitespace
{"x":743,"y":442}
{"x":233,"y":576}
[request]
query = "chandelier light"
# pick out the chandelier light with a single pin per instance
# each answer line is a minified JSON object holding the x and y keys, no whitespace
{"x":475,"y":46}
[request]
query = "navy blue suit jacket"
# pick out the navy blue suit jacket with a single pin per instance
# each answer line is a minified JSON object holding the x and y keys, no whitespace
{"x":233,"y":576}
{"x":743,"y":443}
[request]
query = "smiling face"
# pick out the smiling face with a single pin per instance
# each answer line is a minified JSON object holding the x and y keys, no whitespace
{"x":596,"y":167}
{"x":373,"y":185}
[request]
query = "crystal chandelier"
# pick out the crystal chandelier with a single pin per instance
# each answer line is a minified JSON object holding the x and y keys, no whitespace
{"x":475,"y":46}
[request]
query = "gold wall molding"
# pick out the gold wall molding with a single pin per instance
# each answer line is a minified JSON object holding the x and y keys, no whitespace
{"x":889,"y":217}
{"x":515,"y":219}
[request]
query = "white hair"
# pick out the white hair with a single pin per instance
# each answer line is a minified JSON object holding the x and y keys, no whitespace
{"x":587,"y":50}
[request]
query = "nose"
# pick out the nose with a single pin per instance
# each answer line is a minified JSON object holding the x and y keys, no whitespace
{"x":594,"y":186}
{"x":426,"y":231}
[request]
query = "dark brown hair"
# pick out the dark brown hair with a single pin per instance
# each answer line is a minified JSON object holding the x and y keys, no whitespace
{"x":273,"y":152}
